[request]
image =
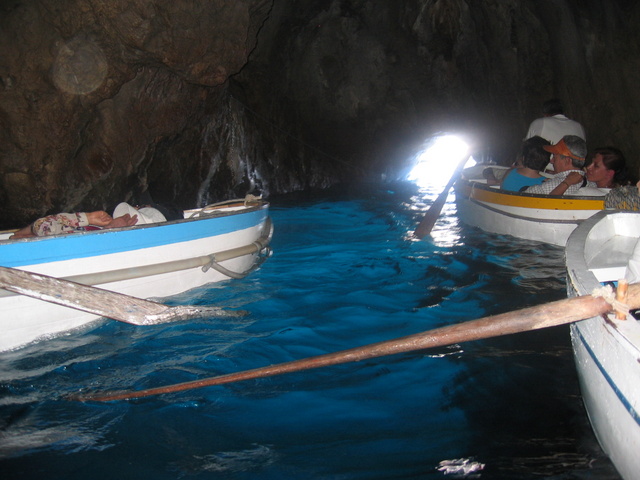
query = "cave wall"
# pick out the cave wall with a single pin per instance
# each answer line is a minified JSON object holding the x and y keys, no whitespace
{"x":100,"y":101}
{"x":367,"y":82}
{"x":202,"y":100}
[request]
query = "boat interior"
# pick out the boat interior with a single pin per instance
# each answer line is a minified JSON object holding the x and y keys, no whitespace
{"x":481,"y":172}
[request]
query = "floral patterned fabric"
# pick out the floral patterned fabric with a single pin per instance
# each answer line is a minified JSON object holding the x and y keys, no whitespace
{"x":60,"y":223}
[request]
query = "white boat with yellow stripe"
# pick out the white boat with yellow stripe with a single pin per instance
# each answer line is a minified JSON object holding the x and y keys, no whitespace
{"x":543,"y":218}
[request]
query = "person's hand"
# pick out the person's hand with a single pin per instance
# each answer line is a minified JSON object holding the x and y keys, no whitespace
{"x":574,"y":178}
{"x":125,"y":220}
{"x":25,"y":232}
{"x":99,"y":218}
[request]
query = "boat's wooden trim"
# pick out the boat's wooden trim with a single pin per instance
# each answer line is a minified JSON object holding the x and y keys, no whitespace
{"x":484,"y":193}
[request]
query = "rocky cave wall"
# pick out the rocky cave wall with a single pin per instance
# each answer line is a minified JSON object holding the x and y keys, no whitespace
{"x":368,"y":81}
{"x":103,"y":101}
{"x":201,"y":100}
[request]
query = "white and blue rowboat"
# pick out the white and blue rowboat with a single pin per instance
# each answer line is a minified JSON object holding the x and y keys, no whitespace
{"x":209,"y":245}
{"x":607,"y":350}
{"x":543,"y":218}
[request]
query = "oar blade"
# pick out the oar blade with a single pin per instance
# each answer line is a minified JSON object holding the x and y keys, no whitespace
{"x":431,"y":217}
{"x":104,"y":303}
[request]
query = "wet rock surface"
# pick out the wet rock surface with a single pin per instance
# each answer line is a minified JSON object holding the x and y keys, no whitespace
{"x":198,"y":101}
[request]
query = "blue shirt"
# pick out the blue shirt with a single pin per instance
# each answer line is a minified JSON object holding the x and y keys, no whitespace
{"x":514,"y":181}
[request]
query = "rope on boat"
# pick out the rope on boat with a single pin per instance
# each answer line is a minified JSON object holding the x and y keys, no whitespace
{"x":261,"y":247}
{"x":606,"y":292}
{"x":263,"y":254}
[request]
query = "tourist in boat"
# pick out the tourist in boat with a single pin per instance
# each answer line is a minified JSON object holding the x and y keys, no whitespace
{"x":73,"y":222}
{"x":607,"y":168}
{"x":554,"y":125}
{"x":531,"y":161}
{"x":124,"y":215}
{"x":568,"y":159}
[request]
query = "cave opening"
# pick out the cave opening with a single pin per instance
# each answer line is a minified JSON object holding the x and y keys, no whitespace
{"x":434,"y":165}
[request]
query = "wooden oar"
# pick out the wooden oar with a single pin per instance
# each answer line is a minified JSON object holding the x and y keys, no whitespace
{"x":104,"y":303}
{"x":431,"y":217}
{"x":533,"y":318}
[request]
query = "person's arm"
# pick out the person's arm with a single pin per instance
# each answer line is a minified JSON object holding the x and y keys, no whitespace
{"x":24,"y":232}
{"x":60,"y":223}
{"x":99,"y":218}
{"x":125,"y":220}
{"x":540,"y":189}
{"x":573,"y":178}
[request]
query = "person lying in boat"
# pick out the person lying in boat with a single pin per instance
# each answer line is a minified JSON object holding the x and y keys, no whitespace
{"x":124,"y":215}
{"x":568,"y":158}
{"x":73,"y":222}
{"x":532,"y":159}
{"x":607,"y":168}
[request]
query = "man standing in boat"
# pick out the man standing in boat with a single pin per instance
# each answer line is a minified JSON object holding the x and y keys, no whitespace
{"x":554,"y":124}
{"x":568,"y":159}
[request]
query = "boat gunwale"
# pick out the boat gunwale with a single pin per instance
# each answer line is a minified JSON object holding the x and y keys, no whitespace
{"x":473,"y":185}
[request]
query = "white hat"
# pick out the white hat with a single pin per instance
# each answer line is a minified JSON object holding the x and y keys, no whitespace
{"x":145,"y":214}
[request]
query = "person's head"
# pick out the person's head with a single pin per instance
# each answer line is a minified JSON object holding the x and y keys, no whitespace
{"x":533,"y":155}
{"x":552,"y":107}
{"x":607,"y":168}
{"x":568,"y":154}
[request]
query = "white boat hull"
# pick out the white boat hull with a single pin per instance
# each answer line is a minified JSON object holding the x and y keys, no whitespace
{"x":150,"y":261}
{"x":541,"y":218}
{"x":607,"y":351}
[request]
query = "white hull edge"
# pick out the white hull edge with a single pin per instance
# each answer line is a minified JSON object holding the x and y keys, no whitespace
{"x":517,"y":222}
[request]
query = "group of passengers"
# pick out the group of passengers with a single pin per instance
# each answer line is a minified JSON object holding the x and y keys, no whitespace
{"x":557,"y":142}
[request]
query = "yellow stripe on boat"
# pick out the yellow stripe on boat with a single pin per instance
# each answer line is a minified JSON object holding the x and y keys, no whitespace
{"x":515,"y":199}
{"x":542,"y":218}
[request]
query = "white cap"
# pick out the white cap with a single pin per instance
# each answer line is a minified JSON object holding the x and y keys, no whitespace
{"x":145,"y":214}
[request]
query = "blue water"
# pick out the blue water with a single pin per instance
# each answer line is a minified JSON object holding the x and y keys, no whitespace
{"x":343,"y":273}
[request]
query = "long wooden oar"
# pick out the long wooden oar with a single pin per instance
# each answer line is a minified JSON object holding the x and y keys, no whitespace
{"x":533,"y":318}
{"x":431,"y":217}
{"x":104,"y":303}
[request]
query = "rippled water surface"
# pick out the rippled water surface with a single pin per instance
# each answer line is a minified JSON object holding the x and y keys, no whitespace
{"x":344,"y":273}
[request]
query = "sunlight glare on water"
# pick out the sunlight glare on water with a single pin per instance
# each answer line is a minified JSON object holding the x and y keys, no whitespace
{"x":436,"y":164}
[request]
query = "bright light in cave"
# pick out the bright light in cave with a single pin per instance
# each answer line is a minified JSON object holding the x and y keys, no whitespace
{"x":436,"y":164}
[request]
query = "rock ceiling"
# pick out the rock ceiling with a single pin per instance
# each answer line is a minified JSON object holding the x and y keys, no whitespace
{"x":201,"y":100}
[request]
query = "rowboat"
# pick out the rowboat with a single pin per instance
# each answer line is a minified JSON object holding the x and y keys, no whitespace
{"x":607,"y":350}
{"x":543,"y":218}
{"x":157,"y":260}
